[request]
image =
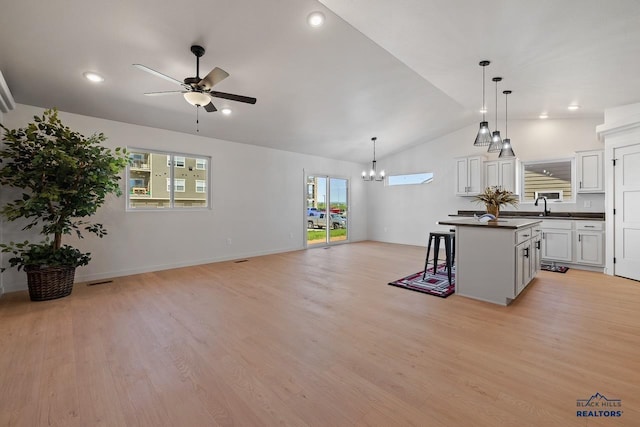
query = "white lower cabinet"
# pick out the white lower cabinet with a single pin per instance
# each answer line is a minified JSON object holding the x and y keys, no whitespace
{"x":523,"y":265}
{"x":589,"y":243}
{"x":536,"y":250}
{"x":527,"y":256}
{"x":557,"y":237}
{"x":575,"y":242}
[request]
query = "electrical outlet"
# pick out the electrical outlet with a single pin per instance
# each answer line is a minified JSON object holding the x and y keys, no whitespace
{"x":290,"y":235}
{"x":229,"y":240}
{"x":587,"y":203}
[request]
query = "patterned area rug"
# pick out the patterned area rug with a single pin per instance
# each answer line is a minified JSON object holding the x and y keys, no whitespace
{"x":434,"y":284}
{"x":554,"y":268}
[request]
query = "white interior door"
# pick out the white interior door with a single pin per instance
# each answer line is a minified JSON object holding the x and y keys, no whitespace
{"x":627,"y":207}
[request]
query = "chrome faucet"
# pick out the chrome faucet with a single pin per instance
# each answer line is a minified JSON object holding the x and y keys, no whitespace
{"x":546,"y":212}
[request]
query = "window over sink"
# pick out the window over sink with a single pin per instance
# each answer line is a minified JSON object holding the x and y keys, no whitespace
{"x":552,"y":179}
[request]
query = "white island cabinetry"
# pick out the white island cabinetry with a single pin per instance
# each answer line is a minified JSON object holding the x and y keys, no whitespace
{"x":495,"y":261}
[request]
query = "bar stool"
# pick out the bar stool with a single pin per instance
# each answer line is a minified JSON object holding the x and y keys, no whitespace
{"x":449,"y":248}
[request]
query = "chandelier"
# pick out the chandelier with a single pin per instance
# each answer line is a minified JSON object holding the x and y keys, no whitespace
{"x":373,"y":173}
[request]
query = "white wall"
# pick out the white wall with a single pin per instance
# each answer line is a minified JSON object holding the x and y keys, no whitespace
{"x":258,"y":201}
{"x":407,"y":214}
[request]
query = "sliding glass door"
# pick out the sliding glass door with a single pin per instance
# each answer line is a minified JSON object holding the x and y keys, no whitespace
{"x":327,"y":209}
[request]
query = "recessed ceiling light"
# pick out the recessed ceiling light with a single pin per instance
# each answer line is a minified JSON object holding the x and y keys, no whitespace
{"x":93,"y":77}
{"x":573,"y":107}
{"x":226,"y":111}
{"x":315,"y":19}
{"x":543,"y":116}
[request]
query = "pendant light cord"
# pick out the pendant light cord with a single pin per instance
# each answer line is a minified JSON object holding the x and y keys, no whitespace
{"x":506,"y":112}
{"x":484,"y":104}
{"x":496,"y":105}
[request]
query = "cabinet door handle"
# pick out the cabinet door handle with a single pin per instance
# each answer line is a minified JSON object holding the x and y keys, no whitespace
{"x":543,"y":235}
{"x":589,"y":226}
{"x":525,"y":235}
{"x":538,"y":244}
{"x":580,"y":184}
{"x":526,"y":252}
{"x":579,"y":237}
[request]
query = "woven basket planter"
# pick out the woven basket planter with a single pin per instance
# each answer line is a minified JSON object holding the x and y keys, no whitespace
{"x":46,"y":283}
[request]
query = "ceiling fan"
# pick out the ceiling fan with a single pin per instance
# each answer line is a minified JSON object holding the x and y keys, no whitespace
{"x":198,"y":91}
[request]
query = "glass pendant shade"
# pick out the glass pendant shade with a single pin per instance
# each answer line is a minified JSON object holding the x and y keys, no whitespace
{"x":507,"y":150}
{"x":483,"y":138}
{"x":484,"y":135}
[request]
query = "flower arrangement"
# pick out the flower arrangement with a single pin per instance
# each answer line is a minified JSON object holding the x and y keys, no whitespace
{"x":494,"y":197}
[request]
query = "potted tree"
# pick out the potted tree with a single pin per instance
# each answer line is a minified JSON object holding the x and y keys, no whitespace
{"x":64,"y":177}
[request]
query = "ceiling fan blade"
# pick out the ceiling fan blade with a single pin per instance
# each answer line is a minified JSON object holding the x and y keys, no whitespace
{"x":210,"y":108}
{"x":213,"y":78}
{"x":158,"y":74}
{"x":233,"y":97}
{"x":171,"y":92}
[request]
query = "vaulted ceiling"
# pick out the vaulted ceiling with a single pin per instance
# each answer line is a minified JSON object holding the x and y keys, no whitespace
{"x":405,"y":71}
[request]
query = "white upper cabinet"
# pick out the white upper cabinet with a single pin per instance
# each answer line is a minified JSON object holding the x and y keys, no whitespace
{"x":590,"y":171}
{"x":504,"y":174}
{"x":469,"y":176}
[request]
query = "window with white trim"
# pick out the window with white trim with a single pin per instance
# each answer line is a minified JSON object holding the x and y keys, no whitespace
{"x":149,"y":178}
{"x":179,"y":185}
{"x":179,"y":161}
{"x":201,"y":164}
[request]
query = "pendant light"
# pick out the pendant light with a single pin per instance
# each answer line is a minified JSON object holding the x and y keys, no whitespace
{"x":373,"y":174}
{"x":507,"y":149}
{"x":484,"y":134}
{"x":496,"y":141}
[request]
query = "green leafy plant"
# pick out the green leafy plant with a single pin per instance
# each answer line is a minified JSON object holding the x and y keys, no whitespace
{"x":65,"y":178}
{"x":494,"y":196}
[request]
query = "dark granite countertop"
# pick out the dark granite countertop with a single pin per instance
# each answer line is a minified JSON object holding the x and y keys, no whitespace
{"x":580,"y":216}
{"x":510,"y":223}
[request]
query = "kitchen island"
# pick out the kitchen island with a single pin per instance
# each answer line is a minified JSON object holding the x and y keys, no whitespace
{"x":495,"y":260}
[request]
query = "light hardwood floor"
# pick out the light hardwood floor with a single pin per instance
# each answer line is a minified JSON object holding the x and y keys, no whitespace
{"x":318,"y":338}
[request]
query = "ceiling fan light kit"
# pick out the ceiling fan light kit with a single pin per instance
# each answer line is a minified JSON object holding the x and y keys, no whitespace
{"x":197,"y":91}
{"x":197,"y":99}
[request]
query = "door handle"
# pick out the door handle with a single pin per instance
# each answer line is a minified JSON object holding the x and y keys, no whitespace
{"x":538,"y":244}
{"x":526,"y":252}
{"x":579,"y":237}
{"x":589,"y":226}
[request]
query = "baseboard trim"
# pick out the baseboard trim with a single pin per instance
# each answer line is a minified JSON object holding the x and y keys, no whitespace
{"x":81,"y":278}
